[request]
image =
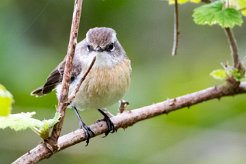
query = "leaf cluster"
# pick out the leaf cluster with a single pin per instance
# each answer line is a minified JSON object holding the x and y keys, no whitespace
{"x":22,"y":121}
{"x":228,"y":72}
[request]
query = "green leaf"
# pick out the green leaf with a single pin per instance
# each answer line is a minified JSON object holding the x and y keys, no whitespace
{"x":235,"y":73}
{"x":43,"y":131}
{"x":227,"y":72}
{"x":216,"y":13}
{"x":229,"y":17}
{"x":219,"y":74}
{"x":20,"y":121}
{"x":6,"y":100}
{"x":23,"y":121}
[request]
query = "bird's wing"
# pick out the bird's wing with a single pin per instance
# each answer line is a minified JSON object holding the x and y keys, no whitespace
{"x":52,"y":81}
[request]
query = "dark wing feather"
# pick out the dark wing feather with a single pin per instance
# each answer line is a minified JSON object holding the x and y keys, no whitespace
{"x":52,"y":81}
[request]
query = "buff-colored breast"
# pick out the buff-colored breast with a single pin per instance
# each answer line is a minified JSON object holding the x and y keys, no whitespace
{"x":104,"y":86}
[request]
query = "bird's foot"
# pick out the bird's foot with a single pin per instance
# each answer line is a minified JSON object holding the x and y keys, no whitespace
{"x":110,"y":125}
{"x":88,"y":133}
{"x":87,"y":130}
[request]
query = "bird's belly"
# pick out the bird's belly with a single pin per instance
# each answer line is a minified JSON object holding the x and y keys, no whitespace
{"x":103,"y":86}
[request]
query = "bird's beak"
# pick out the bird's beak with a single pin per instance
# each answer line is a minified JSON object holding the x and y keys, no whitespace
{"x":99,"y":49}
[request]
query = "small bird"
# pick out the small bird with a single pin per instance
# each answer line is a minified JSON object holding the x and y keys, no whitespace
{"x":106,"y":82}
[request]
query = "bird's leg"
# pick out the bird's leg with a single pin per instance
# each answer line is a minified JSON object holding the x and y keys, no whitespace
{"x":88,"y":132}
{"x":109,"y":123}
{"x":105,"y":111}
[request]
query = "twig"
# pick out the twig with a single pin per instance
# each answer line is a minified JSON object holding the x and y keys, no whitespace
{"x":176,"y":28}
{"x":62,"y":105}
{"x":70,"y":99}
{"x":128,"y":118}
{"x":123,"y":105}
{"x":233,"y":47}
{"x":206,"y":1}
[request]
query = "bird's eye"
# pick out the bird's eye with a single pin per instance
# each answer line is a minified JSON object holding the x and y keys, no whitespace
{"x":110,"y":47}
{"x":89,"y":48}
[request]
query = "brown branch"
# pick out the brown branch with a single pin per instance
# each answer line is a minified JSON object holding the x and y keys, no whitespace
{"x":128,"y":118}
{"x":62,"y":105}
{"x":206,"y":1}
{"x":176,"y":28}
{"x":233,"y":46}
{"x":70,"y":99}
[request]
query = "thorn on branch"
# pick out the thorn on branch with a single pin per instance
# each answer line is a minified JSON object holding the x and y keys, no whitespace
{"x":165,"y":112}
{"x":129,"y":118}
{"x":172,"y":102}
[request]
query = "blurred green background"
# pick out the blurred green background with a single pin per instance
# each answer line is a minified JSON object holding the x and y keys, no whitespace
{"x":33,"y":40}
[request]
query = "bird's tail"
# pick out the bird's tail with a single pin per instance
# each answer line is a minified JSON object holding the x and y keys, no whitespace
{"x":37,"y":92}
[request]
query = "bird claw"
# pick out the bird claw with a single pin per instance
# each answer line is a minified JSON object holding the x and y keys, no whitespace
{"x":88,"y":133}
{"x":87,"y":130}
{"x":110,"y":125}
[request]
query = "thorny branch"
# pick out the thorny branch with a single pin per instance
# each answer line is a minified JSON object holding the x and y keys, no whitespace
{"x":128,"y":118}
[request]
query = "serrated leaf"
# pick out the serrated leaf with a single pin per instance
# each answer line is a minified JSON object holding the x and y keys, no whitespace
{"x":215,"y":13}
{"x":6,"y":100}
{"x":183,"y":1}
{"x":206,"y":14}
{"x":23,"y":121}
{"x":20,"y":121}
{"x":229,"y":17}
{"x":219,"y":74}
